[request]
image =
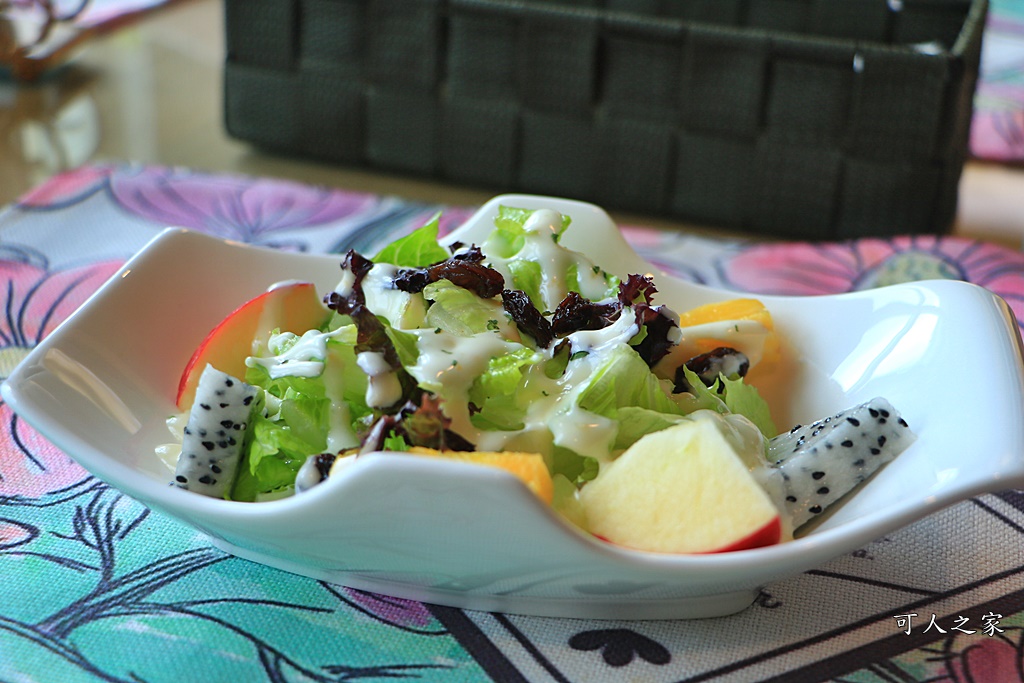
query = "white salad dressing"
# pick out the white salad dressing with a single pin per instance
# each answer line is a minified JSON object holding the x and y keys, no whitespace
{"x":347,"y":282}
{"x":573,"y":427}
{"x":448,"y":364}
{"x":303,"y":358}
{"x":384,"y":389}
{"x":540,"y":246}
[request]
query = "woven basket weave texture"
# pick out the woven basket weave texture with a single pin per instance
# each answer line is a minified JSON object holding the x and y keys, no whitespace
{"x":817,"y":119}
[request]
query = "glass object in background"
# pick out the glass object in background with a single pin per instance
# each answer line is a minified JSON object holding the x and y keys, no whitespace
{"x":36,"y":34}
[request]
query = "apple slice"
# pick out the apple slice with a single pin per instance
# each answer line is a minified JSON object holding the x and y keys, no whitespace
{"x":681,"y":490}
{"x":291,"y":307}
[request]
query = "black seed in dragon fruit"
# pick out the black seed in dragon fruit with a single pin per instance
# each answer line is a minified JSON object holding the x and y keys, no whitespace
{"x":817,"y":464}
{"x":212,"y":444}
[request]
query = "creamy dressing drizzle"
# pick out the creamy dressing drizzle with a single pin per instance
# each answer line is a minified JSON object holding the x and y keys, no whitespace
{"x":340,"y":434}
{"x":383,"y":389}
{"x":304,"y":358}
{"x":556,"y":261}
{"x":448,"y":365}
{"x":571,"y":426}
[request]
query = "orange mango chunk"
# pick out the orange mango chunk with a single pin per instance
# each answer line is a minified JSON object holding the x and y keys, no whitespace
{"x":528,"y":467}
{"x":733,"y":309}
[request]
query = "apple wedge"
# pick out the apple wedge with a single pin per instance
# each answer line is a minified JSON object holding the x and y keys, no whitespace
{"x":681,"y":490}
{"x":292,"y":307}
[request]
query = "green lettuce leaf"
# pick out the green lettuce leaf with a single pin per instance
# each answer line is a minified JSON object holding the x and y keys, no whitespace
{"x":575,"y":467}
{"x":299,"y":415}
{"x":744,"y":399}
{"x":527,"y":277}
{"x":701,"y":396}
{"x":274,"y":455}
{"x":624,"y":379}
{"x":459,"y":311}
{"x":504,"y":373}
{"x":494,"y":392}
{"x":508,"y":237}
{"x":405,"y":345}
{"x":635,"y":423}
{"x":395,"y":442}
{"x":736,"y":397}
{"x":417,"y":249}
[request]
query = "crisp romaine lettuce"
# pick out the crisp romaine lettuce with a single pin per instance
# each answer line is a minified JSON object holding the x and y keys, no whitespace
{"x":405,"y":346}
{"x":274,"y":455}
{"x":500,"y":406}
{"x":508,"y":237}
{"x":743,"y":399}
{"x":527,"y":277}
{"x":504,"y":373}
{"x":625,"y":380}
{"x":299,"y":413}
{"x":459,"y":311}
{"x":635,"y":423}
{"x":736,"y":396}
{"x":573,"y":466}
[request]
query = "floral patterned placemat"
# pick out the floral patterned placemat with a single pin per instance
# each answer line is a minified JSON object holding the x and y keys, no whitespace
{"x":96,"y":587}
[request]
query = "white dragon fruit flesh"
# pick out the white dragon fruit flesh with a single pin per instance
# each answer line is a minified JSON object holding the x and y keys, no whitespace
{"x":817,"y":464}
{"x":212,"y":444}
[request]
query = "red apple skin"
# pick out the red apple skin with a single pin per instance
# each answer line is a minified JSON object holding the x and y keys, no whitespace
{"x":769,"y":534}
{"x":293,"y":307}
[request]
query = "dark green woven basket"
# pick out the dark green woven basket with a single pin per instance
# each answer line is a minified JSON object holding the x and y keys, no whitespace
{"x":817,"y":119}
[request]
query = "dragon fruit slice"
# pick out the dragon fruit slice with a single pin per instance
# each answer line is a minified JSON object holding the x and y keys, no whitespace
{"x":212,"y":445}
{"x":817,"y":464}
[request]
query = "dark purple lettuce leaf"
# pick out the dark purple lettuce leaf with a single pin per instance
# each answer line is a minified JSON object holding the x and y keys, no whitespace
{"x":419,"y":424}
{"x":371,"y":334}
{"x":637,"y":289}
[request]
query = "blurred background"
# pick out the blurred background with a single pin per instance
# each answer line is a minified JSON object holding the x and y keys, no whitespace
{"x":144,"y":81}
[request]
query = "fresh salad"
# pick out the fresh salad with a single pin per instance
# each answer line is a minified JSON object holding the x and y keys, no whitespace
{"x":634,"y":421}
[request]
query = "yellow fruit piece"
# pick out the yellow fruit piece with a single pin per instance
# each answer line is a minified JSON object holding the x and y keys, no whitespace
{"x":528,"y":467}
{"x":732,"y":309}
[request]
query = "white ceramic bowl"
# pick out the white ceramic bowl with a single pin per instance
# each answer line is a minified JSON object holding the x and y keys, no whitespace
{"x":946,"y":354}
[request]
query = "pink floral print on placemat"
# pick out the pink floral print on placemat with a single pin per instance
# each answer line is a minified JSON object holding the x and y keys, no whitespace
{"x":36,"y":301}
{"x":807,"y":269}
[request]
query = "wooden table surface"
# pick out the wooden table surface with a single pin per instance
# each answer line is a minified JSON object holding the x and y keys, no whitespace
{"x":151,"y":92}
